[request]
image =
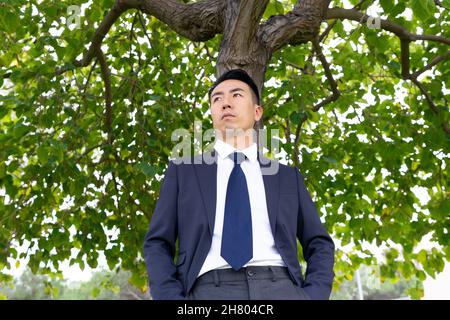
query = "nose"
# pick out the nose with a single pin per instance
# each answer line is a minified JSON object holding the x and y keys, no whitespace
{"x":225,"y":103}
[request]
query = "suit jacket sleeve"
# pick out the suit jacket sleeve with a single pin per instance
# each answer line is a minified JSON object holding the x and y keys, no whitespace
{"x":318,"y":247}
{"x":160,"y":241}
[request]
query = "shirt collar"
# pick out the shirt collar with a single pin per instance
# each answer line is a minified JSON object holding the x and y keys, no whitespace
{"x":224,"y":150}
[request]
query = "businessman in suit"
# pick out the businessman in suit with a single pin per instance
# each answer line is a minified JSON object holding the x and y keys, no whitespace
{"x":236,"y":227}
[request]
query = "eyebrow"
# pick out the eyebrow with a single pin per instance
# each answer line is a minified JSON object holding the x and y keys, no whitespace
{"x":231,"y":91}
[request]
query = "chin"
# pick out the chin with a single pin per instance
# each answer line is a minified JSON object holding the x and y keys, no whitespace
{"x":237,"y":129}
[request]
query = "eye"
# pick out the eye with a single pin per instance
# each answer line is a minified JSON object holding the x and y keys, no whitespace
{"x":237,"y":94}
{"x":216,"y":99}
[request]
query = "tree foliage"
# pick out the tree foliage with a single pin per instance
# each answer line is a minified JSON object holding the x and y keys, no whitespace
{"x":85,"y":139}
{"x":373,"y":289}
{"x":103,"y":285}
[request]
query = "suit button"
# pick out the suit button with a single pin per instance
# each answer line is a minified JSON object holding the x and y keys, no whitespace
{"x":250,"y":273}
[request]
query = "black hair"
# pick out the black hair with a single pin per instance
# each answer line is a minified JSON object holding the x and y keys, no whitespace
{"x":236,"y":74}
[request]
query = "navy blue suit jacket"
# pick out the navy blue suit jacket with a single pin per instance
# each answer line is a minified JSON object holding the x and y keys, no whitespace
{"x":186,"y":209}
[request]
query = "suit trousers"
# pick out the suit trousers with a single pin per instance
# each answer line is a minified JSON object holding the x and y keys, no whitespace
{"x":250,"y":283}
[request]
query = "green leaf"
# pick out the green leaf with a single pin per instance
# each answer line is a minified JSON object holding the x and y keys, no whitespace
{"x":446,"y":3}
{"x":330,"y":160}
{"x":422,"y":257}
{"x":387,"y":5}
{"x":20,"y":130}
{"x":138,"y":281}
{"x":58,"y":151}
{"x":13,"y":166}
{"x":439,"y":208}
{"x":95,"y":292}
{"x":273,"y":8}
{"x":295,"y":117}
{"x":92,"y":262}
{"x":154,"y":97}
{"x":447,"y":252}
{"x":423,"y":9}
{"x":415,"y":293}
{"x":9,"y":20}
{"x":147,"y":169}
{"x":2,"y":170}
{"x":42,"y":153}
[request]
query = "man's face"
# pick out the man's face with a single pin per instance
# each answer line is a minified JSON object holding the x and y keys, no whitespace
{"x":233,"y":106}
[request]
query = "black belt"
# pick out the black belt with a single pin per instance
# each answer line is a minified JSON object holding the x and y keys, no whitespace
{"x":248,"y":273}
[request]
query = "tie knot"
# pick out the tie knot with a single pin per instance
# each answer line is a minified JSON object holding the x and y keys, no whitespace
{"x":237,"y":157}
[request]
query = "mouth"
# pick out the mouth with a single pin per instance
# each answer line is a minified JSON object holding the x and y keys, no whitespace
{"x":227,"y":116}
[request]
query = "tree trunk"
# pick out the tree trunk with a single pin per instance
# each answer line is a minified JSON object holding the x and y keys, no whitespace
{"x":240,"y":48}
{"x":249,"y":45}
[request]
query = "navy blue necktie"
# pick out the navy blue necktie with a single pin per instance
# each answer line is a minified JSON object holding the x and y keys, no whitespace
{"x":237,"y":245}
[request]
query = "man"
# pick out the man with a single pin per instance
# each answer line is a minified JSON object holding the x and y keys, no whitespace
{"x":236,"y":227}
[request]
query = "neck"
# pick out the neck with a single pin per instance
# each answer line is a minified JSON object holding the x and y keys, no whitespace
{"x":240,"y":141}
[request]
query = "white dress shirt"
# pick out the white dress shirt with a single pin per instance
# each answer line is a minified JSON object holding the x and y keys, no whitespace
{"x":264,"y":251}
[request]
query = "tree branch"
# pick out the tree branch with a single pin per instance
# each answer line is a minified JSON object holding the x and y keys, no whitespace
{"x":404,"y":50}
{"x":434,"y":62}
{"x":413,"y":77}
{"x":425,"y":93}
{"x":241,"y":21}
{"x":326,"y":67}
{"x":297,"y":139}
{"x":87,"y":151}
{"x":106,"y":75}
{"x":433,"y":107}
{"x":197,"y":21}
{"x":440,"y":4}
{"x":240,"y":48}
{"x":331,"y":25}
{"x":161,"y":65}
{"x":116,"y":11}
{"x":401,"y":32}
{"x":405,"y":38}
{"x":298,"y":26}
{"x":88,"y":78}
{"x":327,"y":30}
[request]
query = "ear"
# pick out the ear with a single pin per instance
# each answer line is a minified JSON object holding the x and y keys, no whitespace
{"x":258,"y":112}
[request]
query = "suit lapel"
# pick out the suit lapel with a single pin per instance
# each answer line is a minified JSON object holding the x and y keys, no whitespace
{"x":271,"y":187}
{"x":207,"y":179}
